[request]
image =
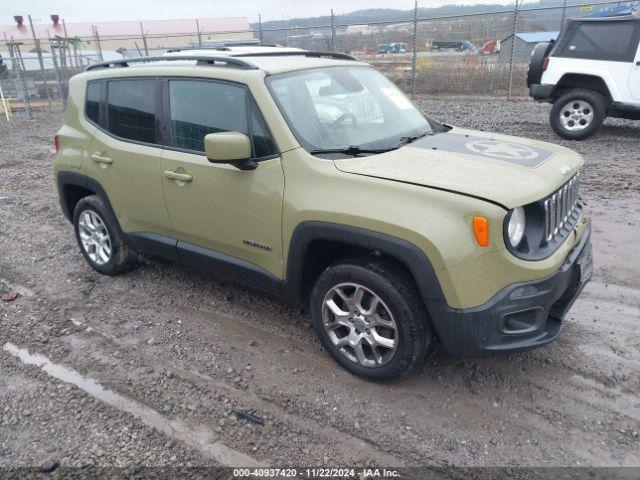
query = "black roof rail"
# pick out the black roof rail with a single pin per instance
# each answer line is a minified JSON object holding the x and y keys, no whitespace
{"x":221,"y":48}
{"x":202,"y":60}
{"x":302,"y":53}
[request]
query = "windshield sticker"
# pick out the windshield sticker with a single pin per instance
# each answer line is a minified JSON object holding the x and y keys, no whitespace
{"x":400,"y":101}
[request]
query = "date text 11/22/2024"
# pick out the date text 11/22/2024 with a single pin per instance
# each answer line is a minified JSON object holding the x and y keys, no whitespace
{"x":344,"y":473}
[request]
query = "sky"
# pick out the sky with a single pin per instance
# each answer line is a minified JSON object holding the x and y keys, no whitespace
{"x":92,"y":10}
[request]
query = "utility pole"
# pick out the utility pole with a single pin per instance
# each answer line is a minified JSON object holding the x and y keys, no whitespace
{"x":333,"y":31}
{"x":513,"y":50}
{"x":18,"y":65}
{"x":199,"y":35}
{"x":564,"y":13}
{"x":40,"y":61}
{"x":414,"y":60}
{"x":96,"y":38}
{"x":260,"y":29}
{"x":57,"y":71}
{"x":74,"y":62}
{"x":144,"y":41}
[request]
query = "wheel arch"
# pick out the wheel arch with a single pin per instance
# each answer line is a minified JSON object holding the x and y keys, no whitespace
{"x":570,"y":81}
{"x":72,"y":187}
{"x":316,"y":245}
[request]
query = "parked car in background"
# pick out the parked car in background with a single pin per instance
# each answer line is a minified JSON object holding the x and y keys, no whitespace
{"x":397,"y":47}
{"x":592,"y":71}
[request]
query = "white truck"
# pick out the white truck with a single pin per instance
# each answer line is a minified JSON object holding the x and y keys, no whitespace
{"x":590,"y":72}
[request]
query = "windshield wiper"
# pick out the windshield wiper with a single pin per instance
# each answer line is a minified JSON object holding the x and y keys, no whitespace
{"x":355,"y":150}
{"x":351,"y":150}
{"x":413,"y":138}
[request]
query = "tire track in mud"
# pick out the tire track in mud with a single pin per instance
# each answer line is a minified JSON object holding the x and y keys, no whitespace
{"x":359,"y":448}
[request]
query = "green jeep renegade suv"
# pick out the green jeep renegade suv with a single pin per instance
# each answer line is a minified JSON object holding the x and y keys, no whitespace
{"x":312,"y":177}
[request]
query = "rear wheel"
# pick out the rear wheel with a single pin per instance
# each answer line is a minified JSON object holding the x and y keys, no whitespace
{"x":370,"y":318}
{"x":99,"y":237}
{"x":577,"y":114}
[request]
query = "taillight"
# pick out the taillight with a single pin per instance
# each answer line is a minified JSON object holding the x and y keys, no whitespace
{"x":56,"y":141}
{"x":545,"y":63}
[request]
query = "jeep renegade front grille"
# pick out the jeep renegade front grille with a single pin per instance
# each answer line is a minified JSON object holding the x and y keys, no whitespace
{"x":562,"y":208}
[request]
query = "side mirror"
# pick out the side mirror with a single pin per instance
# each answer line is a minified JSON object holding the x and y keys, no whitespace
{"x":229,"y":147}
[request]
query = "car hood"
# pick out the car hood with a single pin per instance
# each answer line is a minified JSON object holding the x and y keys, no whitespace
{"x":510,"y":171}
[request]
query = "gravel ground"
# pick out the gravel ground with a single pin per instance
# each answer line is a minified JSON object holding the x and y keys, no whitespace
{"x":175,"y":352}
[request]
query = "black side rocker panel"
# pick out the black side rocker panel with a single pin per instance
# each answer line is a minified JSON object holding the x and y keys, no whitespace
{"x":206,"y":260}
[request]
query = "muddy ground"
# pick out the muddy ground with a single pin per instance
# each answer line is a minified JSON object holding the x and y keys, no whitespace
{"x":170,"y":352}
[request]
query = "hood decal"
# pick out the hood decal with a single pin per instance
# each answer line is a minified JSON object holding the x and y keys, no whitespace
{"x":524,"y":155}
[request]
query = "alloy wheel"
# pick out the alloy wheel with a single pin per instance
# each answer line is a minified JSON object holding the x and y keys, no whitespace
{"x":94,"y":237}
{"x":360,"y":325}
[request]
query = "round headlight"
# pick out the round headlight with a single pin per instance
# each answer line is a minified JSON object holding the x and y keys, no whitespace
{"x":516,"y":226}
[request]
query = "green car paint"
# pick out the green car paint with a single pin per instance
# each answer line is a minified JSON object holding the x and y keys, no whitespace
{"x":425,"y":193}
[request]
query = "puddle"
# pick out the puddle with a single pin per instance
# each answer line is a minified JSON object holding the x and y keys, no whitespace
{"x":202,"y":440}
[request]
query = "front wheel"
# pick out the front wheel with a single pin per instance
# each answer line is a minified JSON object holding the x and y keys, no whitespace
{"x":578,"y":113}
{"x":369,"y":317}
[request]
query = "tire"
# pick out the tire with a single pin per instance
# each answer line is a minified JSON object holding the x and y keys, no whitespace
{"x":535,"y":71}
{"x":398,"y":304}
{"x":566,"y":119}
{"x":98,"y":235}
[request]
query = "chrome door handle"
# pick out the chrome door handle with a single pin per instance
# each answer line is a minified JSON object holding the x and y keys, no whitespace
{"x":182,"y":177}
{"x":100,"y":159}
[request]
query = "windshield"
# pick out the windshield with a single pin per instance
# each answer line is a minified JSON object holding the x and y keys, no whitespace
{"x":340,"y":107}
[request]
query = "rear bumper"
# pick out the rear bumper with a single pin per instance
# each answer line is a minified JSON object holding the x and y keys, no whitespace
{"x":521,"y":317}
{"x":541,"y":92}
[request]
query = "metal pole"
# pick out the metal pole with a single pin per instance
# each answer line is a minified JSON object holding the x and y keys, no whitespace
{"x":564,"y":13}
{"x":56,"y":69}
{"x":40,"y":61}
{"x":144,"y":41}
{"x":333,"y":31}
{"x":260,"y":29}
{"x":74,"y":59}
{"x":414,"y":60}
{"x":513,"y":50}
{"x":199,"y":35}
{"x":17,"y":59}
{"x":96,"y":37}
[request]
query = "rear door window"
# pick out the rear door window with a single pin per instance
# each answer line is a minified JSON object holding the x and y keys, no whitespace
{"x":131,"y":109}
{"x":608,"y":41}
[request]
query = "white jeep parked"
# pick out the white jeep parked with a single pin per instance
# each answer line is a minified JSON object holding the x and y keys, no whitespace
{"x":592,"y":71}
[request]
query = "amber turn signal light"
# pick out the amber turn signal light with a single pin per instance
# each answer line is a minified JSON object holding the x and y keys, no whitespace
{"x":481,"y":230}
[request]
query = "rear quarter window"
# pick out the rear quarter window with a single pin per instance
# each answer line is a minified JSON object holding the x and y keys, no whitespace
{"x":92,"y":104}
{"x":606,"y":41}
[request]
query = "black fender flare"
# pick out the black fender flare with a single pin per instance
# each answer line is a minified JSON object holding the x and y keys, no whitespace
{"x":413,"y":258}
{"x":67,"y":178}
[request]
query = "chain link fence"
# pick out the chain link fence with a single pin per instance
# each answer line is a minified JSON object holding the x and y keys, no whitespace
{"x":479,"y":53}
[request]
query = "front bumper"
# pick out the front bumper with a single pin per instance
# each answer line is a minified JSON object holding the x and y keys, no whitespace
{"x":541,"y":92}
{"x":521,"y":317}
